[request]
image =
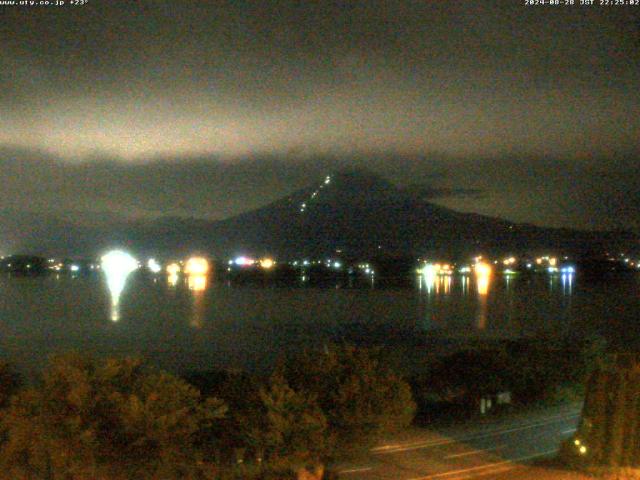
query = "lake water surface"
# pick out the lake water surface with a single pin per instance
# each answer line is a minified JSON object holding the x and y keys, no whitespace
{"x":202,"y":323}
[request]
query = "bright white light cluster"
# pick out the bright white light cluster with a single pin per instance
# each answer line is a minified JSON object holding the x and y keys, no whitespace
{"x":117,"y":265}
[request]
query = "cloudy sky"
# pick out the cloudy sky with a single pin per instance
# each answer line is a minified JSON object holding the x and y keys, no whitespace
{"x":149,"y":108}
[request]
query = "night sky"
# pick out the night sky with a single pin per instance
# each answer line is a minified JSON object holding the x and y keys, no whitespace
{"x":139,"y":109}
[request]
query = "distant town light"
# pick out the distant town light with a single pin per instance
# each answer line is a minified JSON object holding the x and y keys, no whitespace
{"x":429,"y":275}
{"x":483,"y":268}
{"x":445,"y":269}
{"x":196,"y":266}
{"x":267,"y":263}
{"x":154,"y":266}
{"x":73,"y":268}
{"x":118,"y":261}
{"x":244,"y":261}
{"x":429,"y":270}
{"x":173,"y":269}
{"x":117,"y":265}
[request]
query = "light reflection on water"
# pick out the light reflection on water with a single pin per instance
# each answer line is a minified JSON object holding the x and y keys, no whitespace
{"x":172,"y":279}
{"x":197,"y":284}
{"x":193,"y":322}
{"x":567,"y":283}
{"x":117,"y":265}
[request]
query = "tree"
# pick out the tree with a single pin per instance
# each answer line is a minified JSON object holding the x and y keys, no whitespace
{"x":109,"y":419}
{"x":360,"y":395}
{"x":292,"y":430}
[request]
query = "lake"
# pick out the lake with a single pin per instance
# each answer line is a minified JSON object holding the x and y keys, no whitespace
{"x":201,"y":323}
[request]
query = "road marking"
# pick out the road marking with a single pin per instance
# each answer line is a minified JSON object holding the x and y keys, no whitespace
{"x":550,"y":419}
{"x":502,"y":464}
{"x":355,"y":470}
{"x":570,"y":430}
{"x":388,"y":449}
{"x":474,"y":452}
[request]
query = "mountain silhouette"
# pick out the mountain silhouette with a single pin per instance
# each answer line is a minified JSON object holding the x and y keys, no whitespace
{"x":356,"y":213}
{"x":353,"y":213}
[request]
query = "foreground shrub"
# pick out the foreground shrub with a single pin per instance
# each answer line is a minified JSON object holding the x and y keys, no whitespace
{"x":228,"y":437}
{"x":291,"y":432}
{"x":361,"y":397}
{"x":109,"y":419}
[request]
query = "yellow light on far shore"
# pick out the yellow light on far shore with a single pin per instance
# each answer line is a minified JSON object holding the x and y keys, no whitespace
{"x":196,"y":266}
{"x":483,"y":269}
{"x":173,"y":269}
{"x":509,"y":261}
{"x":267,"y":263}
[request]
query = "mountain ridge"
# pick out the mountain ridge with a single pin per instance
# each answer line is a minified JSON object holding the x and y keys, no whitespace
{"x":352,"y":212}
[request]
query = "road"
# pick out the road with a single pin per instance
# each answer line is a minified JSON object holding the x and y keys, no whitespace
{"x":503,"y":448}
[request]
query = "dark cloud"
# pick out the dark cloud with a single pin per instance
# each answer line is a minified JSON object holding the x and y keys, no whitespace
{"x":144,"y":109}
{"x":239,"y":78}
{"x":596,"y":193}
{"x":426,"y":192}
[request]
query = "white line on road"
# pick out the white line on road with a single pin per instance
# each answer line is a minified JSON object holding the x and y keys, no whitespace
{"x":387,"y":449}
{"x":570,"y":430}
{"x":494,"y":471}
{"x":543,"y":421}
{"x":355,"y":470}
{"x":486,"y":466}
{"x":474,"y":452}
